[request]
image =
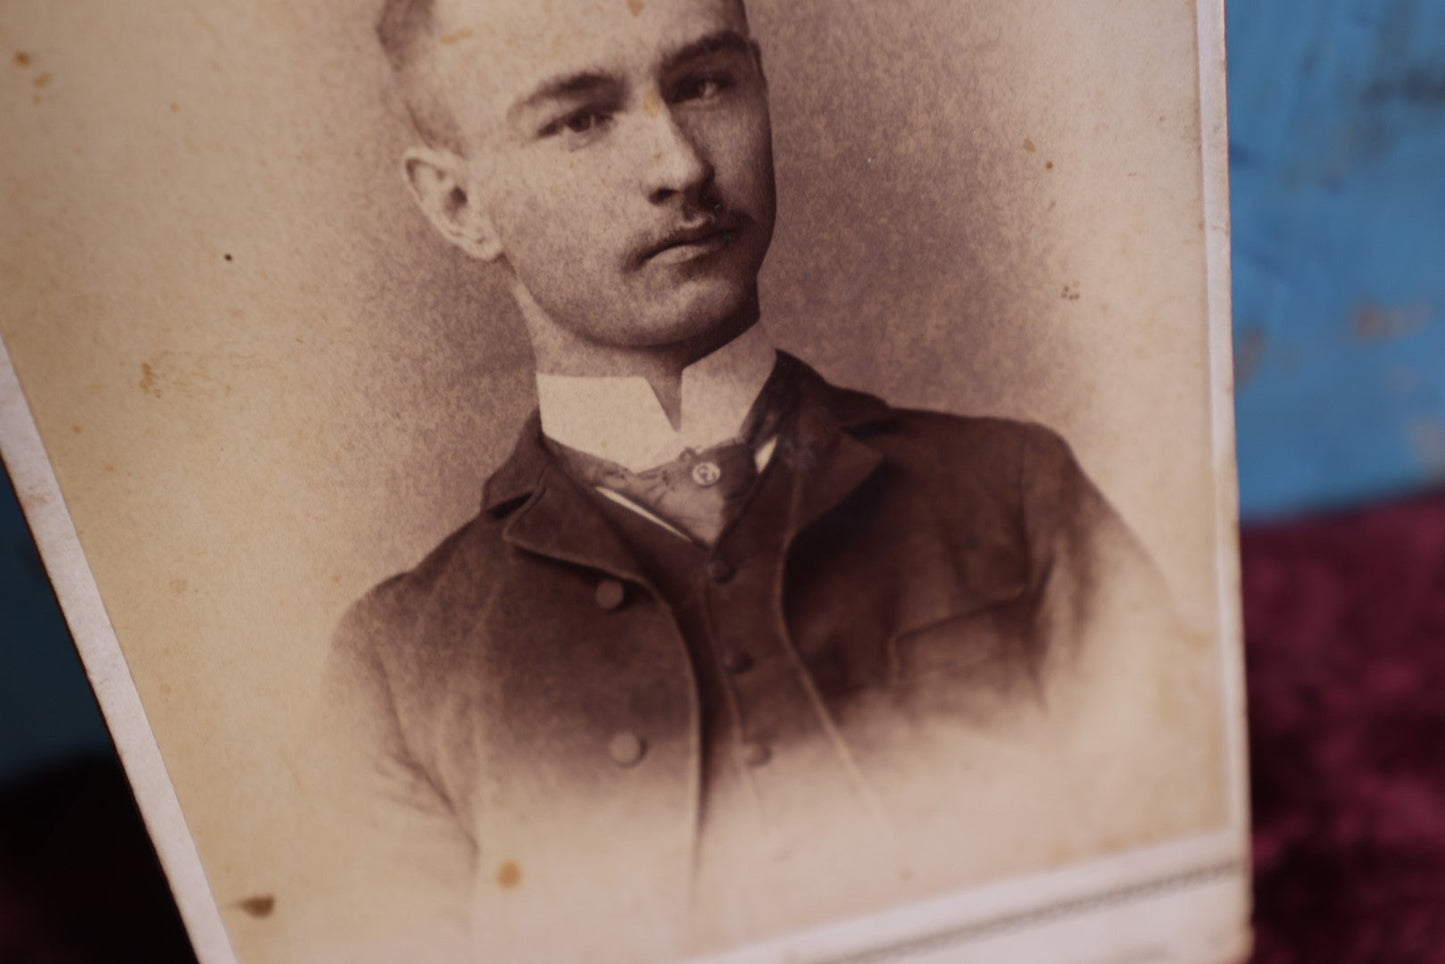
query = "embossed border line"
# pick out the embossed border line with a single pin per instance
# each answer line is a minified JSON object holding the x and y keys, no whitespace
{"x":1061,"y":910}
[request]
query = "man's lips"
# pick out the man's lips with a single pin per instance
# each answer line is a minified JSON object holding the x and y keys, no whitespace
{"x":686,"y":244}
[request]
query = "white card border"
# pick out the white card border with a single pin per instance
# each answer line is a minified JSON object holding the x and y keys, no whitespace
{"x":38,"y":492}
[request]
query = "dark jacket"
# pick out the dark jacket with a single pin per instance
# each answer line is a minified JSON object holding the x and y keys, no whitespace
{"x":956,"y":589}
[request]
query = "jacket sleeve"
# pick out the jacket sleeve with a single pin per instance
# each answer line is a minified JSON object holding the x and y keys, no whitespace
{"x":1132,"y":689}
{"x":1092,"y":576}
{"x":400,"y":884}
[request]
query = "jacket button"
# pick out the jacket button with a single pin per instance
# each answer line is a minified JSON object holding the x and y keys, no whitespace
{"x":738,"y":662}
{"x":718,"y":570}
{"x":626,"y":749}
{"x":756,"y":754}
{"x":611,"y":594}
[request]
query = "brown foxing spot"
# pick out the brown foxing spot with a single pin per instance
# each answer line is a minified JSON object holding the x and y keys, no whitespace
{"x":41,"y":80}
{"x":22,"y":59}
{"x":1029,"y":145}
{"x":1049,"y":166}
{"x":509,"y":875}
{"x":457,"y":36}
{"x":76,"y":429}
{"x":635,"y":6}
{"x":259,"y":906}
{"x":148,"y":380}
{"x":179,"y":585}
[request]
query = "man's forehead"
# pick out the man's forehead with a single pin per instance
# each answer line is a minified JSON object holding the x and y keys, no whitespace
{"x":517,"y":42}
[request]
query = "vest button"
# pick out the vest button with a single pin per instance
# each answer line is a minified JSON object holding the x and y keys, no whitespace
{"x":611,"y":594}
{"x":738,"y":662}
{"x":626,"y":749}
{"x":718,"y":571}
{"x":756,"y":754}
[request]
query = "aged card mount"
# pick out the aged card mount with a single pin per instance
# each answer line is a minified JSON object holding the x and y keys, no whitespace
{"x":650,"y":480}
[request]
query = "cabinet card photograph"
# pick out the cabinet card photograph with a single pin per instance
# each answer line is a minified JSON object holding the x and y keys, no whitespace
{"x":643,"y":480}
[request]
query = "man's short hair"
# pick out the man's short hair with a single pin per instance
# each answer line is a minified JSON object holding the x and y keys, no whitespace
{"x":405,"y":29}
{"x":402,"y":27}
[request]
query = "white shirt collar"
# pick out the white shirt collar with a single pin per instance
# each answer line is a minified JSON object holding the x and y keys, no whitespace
{"x":619,"y":418}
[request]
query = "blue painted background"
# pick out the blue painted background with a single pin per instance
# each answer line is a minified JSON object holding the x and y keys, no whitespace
{"x":1337,"y":115}
{"x":1338,"y":165}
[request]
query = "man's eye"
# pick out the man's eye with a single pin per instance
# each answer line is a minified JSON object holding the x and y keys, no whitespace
{"x":701,"y":87}
{"x":580,"y":122}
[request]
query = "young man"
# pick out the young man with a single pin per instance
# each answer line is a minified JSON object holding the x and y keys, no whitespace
{"x":728,"y":649}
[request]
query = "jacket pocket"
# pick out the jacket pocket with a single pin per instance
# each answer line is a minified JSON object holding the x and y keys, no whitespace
{"x":972,"y":657}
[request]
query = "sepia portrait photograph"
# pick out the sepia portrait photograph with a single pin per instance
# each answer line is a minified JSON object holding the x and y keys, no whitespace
{"x":643,"y":480}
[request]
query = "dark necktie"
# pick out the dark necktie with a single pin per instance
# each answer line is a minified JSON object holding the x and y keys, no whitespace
{"x":697,"y":493}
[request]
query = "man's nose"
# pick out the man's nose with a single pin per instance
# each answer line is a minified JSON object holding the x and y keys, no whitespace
{"x":674,"y":165}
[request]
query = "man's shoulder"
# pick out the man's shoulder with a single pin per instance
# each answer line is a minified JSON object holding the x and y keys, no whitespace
{"x":985,"y":467}
{"x":941,"y":440}
{"x":1000,"y":455}
{"x":972,"y":436}
{"x":464,"y":563}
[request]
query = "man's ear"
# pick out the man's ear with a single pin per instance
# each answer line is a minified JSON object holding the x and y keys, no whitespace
{"x":439,"y":187}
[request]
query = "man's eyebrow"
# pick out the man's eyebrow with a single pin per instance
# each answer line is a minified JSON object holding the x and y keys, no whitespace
{"x":723,"y":40}
{"x":569,"y":85}
{"x":587,"y":82}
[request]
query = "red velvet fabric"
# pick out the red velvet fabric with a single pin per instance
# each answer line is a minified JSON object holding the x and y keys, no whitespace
{"x":1345,"y":629}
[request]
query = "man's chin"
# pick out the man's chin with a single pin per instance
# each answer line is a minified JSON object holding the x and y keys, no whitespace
{"x":696,"y":312}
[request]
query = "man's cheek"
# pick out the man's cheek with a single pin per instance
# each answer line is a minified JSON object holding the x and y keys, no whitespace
{"x":543,"y":186}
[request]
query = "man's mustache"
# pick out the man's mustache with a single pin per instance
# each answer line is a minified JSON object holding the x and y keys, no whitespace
{"x":699,"y":227}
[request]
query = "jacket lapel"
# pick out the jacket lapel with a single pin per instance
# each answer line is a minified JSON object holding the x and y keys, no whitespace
{"x":552,"y":515}
{"x":829,"y":462}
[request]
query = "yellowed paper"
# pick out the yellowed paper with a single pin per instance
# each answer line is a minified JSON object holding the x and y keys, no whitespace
{"x":268,"y":373}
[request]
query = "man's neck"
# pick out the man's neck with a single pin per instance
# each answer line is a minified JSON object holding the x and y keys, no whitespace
{"x":560,"y":351}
